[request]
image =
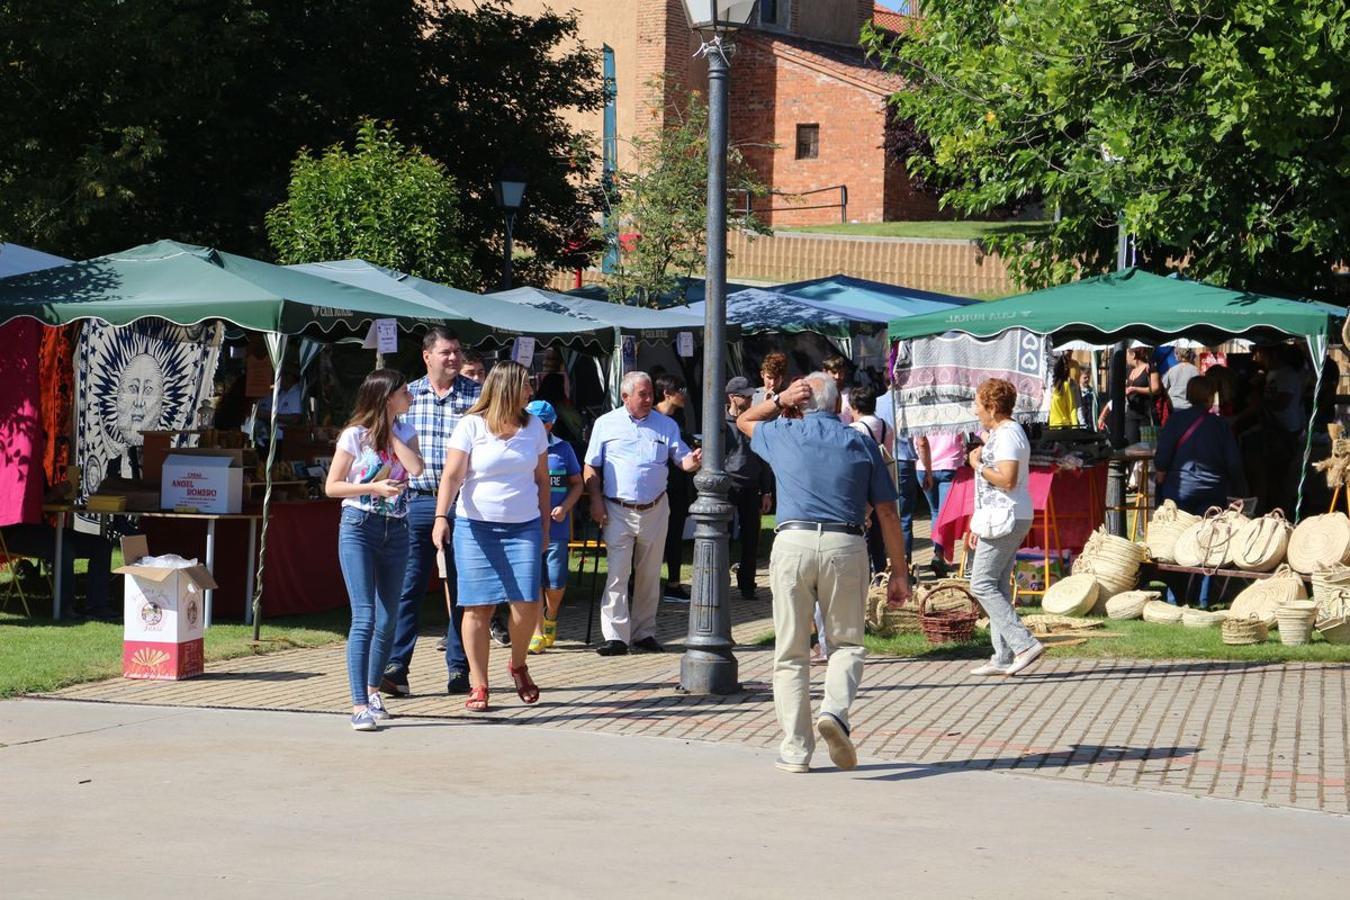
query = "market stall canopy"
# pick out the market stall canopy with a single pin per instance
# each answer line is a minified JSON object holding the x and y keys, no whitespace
{"x":874,"y":297}
{"x":187,"y":284}
{"x":16,"y":260}
{"x":759,"y":311}
{"x":689,"y":290}
{"x":504,"y":319}
{"x":643,"y":323}
{"x":1131,"y":304}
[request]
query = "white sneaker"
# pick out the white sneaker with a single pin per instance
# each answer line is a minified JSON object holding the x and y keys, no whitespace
{"x":1024,"y":660}
{"x":837,"y":738}
{"x":989,"y":668}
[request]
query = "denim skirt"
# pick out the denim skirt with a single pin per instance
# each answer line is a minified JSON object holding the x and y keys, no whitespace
{"x":497,"y":561}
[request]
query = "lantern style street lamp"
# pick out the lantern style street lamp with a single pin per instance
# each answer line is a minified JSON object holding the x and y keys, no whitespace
{"x":708,"y":665}
{"x":509,"y":190}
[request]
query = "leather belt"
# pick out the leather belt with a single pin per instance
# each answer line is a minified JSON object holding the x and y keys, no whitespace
{"x":640,"y":507}
{"x":421,"y":492}
{"x":818,"y":527}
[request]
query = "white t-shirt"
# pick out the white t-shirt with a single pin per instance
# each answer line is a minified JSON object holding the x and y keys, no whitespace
{"x":500,"y":485}
{"x":369,"y":464}
{"x":1289,"y":416}
{"x":1008,"y":441}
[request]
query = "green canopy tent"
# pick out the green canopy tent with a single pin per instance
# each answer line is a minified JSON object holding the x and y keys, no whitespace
{"x":1135,"y":305}
{"x":187,"y":285}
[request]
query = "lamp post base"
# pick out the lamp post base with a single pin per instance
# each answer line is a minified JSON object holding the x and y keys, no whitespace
{"x":708,"y":665}
{"x":709,"y":672}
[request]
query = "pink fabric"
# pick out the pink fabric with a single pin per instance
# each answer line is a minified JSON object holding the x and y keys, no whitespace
{"x":948,"y":451}
{"x":20,"y":423}
{"x":1080,"y":505}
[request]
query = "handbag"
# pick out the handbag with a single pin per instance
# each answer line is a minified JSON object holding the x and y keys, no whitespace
{"x":992,"y":523}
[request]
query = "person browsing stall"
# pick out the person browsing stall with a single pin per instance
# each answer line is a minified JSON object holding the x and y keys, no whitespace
{"x":439,"y":400}
{"x":751,"y":484}
{"x":626,"y":476}
{"x":564,"y":479}
{"x":827,"y":475}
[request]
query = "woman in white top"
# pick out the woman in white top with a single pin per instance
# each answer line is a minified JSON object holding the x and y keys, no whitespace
{"x":374,"y":456}
{"x":1003,"y":516}
{"x":497,"y":465}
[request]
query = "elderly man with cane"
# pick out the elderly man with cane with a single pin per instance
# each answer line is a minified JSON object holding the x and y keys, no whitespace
{"x":827,"y":476}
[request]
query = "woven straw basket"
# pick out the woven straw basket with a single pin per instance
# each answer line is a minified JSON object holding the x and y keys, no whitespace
{"x":1320,"y":541}
{"x":1166,"y":526}
{"x":1296,"y":621}
{"x":1072,"y":596}
{"x":1202,"y":618}
{"x":1113,"y":561}
{"x":1208,"y":542}
{"x":887,"y":620}
{"x":1129,"y":604}
{"x":1260,"y":544}
{"x":1162,"y":612}
{"x":956,"y":622}
{"x":1331,"y":591}
{"x":1238,"y":631}
{"x":1335,"y":630}
{"x":1264,"y":597}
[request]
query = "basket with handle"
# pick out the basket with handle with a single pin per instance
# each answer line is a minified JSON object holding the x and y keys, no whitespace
{"x":1331,"y":591}
{"x":1208,"y":543}
{"x":1260,"y":544}
{"x":1165,"y":528}
{"x":1264,"y":597}
{"x":1238,"y":631}
{"x":884,"y":619}
{"x":954,"y":623}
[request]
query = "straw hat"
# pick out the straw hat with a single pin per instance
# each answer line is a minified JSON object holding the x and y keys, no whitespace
{"x":1129,"y":604}
{"x":1072,"y":596}
{"x":1161,"y":612}
{"x":1320,"y":541}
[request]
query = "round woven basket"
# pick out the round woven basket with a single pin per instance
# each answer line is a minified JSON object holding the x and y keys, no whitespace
{"x":1166,"y":526}
{"x":1109,"y":582}
{"x":1331,"y":591}
{"x":1264,"y":597}
{"x":1320,"y":541}
{"x":1162,"y":612}
{"x":1296,"y":621}
{"x":946,"y":626}
{"x":1072,"y":596}
{"x":1208,"y":542}
{"x":884,"y":619}
{"x":1335,"y":630}
{"x":1202,"y":618}
{"x":947,"y":594}
{"x":1260,"y":544}
{"x":1239,"y":631}
{"x":1129,"y":604}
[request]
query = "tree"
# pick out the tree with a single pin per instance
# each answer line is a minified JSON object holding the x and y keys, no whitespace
{"x":658,"y":212}
{"x":1215,"y":129}
{"x":383,"y":203}
{"x":127,"y":122}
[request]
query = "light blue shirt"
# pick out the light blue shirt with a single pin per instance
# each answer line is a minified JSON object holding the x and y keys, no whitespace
{"x":631,"y":454}
{"x":825,"y":471}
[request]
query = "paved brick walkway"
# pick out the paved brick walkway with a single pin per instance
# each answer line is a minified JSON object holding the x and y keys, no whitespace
{"x":1273,"y":734}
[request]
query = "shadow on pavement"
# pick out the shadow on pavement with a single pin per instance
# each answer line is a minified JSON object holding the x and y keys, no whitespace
{"x":1078,"y":755}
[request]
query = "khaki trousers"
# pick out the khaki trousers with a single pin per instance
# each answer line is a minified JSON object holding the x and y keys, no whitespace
{"x":635,"y":541}
{"x":806,"y":568}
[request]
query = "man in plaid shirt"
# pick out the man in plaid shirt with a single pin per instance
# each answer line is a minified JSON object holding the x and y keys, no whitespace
{"x":440,"y":400}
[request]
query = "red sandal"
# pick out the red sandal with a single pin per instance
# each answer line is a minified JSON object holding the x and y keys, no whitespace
{"x":525,"y":686}
{"x":478,"y":699}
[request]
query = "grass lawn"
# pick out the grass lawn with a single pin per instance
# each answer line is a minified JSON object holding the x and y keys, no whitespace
{"x":970,"y":231}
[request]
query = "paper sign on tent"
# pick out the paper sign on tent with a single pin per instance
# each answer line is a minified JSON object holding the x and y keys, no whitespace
{"x":382,"y":336}
{"x":523,"y":351}
{"x":684,"y":343}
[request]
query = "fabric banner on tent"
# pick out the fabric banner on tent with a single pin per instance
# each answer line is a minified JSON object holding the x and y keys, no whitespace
{"x":935,"y":379}
{"x":149,"y":376}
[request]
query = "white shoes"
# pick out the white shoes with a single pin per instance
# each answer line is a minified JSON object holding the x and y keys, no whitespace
{"x":989,"y":668}
{"x":1026,"y":659}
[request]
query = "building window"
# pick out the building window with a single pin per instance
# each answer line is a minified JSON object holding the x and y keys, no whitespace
{"x":808,"y":141}
{"x":773,"y":13}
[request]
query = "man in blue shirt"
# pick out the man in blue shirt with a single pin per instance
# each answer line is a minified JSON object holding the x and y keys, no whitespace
{"x":827,"y":475}
{"x":625,"y":476}
{"x":439,"y":401}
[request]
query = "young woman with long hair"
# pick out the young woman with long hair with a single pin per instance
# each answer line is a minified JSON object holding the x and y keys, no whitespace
{"x":497,"y":465}
{"x":374,"y":457}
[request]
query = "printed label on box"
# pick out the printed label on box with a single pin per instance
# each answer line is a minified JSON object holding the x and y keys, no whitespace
{"x":162,"y":662}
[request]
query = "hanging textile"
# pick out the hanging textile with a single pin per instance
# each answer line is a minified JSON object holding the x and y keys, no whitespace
{"x":56,"y":363}
{"x":146,"y":376}
{"x":935,"y":379}
{"x":20,"y":423}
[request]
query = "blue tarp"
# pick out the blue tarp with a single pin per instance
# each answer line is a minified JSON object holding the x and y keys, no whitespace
{"x":891,"y":300}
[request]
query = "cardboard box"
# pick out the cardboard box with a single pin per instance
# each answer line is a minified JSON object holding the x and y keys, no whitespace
{"x":163,"y":612}
{"x":208,"y":481}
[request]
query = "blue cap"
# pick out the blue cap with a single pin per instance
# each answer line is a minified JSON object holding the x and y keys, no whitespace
{"x":543,"y":410}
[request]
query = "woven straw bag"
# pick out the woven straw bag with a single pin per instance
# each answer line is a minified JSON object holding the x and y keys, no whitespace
{"x":1166,"y":526}
{"x":1202,"y":618}
{"x":1331,"y":591}
{"x":1162,"y":612}
{"x":1320,"y":541}
{"x":1129,"y":604}
{"x":884,"y":619}
{"x":1237,"y":631}
{"x":1264,"y":597}
{"x":946,"y":595}
{"x":1260,"y":544}
{"x":1335,"y":630}
{"x":1072,"y":596}
{"x":1207,"y":542}
{"x":1113,"y":561}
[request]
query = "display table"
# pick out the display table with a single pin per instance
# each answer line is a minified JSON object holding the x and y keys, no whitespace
{"x":1069,"y":505}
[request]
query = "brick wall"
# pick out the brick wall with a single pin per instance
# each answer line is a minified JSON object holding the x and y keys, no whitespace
{"x":665,"y":46}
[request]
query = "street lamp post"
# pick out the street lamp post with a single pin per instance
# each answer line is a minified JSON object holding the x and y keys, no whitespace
{"x":510,"y":193}
{"x":708,"y":665}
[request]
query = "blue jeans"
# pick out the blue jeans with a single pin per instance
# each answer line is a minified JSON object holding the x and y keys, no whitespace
{"x":421,"y":563}
{"x":373,"y":552}
{"x":990,"y":574}
{"x":909,"y":497}
{"x":936,"y":496}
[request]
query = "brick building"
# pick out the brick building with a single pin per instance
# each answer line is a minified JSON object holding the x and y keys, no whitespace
{"x":807,"y":109}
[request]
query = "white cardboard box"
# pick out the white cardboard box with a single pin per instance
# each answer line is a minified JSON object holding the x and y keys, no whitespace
{"x":202,"y":483}
{"x":162,"y":614}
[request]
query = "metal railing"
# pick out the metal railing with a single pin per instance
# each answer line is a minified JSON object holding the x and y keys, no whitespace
{"x":747,"y":207}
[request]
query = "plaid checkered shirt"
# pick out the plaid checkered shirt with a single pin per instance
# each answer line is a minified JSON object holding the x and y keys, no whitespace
{"x":434,"y":418}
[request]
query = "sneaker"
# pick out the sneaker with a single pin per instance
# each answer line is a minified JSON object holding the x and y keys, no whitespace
{"x":395,"y":683}
{"x":458,"y":683}
{"x":549,"y":627}
{"x":375,"y":706}
{"x":836,"y":736}
{"x":648,"y":645}
{"x":989,"y":668}
{"x":537,"y":644}
{"x":364,"y":721}
{"x":500,"y":636}
{"x":1024,"y":660}
{"x":796,"y":768}
{"x":674,"y":593}
{"x":440,"y":645}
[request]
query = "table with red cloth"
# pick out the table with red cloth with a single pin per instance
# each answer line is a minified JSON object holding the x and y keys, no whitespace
{"x":302,"y":574}
{"x":1069,"y":505}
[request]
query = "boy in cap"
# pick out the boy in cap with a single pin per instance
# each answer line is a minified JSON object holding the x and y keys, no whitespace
{"x":564,"y":478}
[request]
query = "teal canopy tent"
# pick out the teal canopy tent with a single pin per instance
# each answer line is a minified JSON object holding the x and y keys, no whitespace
{"x":863,"y":296}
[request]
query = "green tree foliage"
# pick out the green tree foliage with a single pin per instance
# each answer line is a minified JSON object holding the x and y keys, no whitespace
{"x":126,"y":122}
{"x":382,"y":203}
{"x":658,"y":212}
{"x":1217,"y":128}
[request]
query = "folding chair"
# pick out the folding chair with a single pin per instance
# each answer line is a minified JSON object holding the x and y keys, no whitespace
{"x":9,"y":562}
{"x":594,"y":547}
